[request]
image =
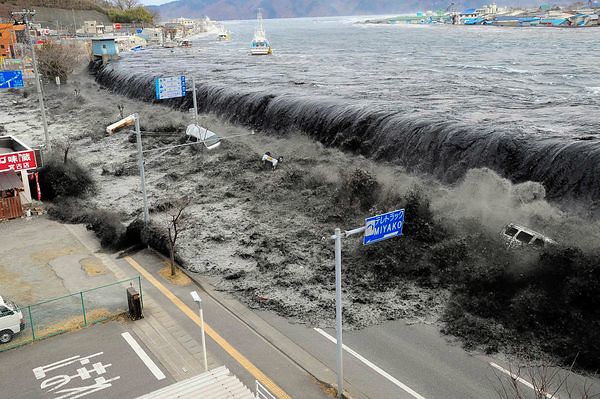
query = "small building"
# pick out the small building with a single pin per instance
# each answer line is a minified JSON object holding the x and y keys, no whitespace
{"x":11,"y":186}
{"x":93,"y":28}
{"x":16,"y":159}
{"x":9,"y":38}
{"x":153,"y":36}
{"x":104,"y":48}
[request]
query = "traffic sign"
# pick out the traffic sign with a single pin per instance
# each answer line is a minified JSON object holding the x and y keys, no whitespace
{"x":382,"y":227}
{"x":11,"y":79}
{"x":170,"y":87}
{"x":117,"y":26}
{"x":139,"y":30}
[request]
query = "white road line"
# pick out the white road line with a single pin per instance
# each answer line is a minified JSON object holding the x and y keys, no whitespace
{"x":377,"y":369}
{"x":522,"y":381}
{"x":143,"y":356}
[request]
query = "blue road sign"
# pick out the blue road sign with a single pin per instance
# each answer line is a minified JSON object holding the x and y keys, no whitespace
{"x":11,"y":79}
{"x":170,"y":87}
{"x":382,"y":227}
{"x":138,"y":30}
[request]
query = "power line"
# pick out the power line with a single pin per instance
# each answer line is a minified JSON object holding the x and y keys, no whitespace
{"x":27,"y":16}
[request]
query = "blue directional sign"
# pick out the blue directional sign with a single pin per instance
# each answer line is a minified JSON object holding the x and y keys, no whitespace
{"x":170,"y":87}
{"x":382,"y":227}
{"x":139,"y":30}
{"x":11,"y":79}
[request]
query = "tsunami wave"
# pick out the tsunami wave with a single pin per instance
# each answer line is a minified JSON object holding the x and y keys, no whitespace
{"x":566,"y":166}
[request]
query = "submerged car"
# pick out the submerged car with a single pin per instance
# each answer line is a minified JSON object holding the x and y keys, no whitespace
{"x":517,"y":236}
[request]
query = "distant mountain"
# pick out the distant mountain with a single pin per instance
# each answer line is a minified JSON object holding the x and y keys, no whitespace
{"x":246,"y":9}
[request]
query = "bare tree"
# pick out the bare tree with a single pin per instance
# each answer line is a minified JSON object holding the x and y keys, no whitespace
{"x":58,"y":59}
{"x":176,"y":223}
{"x":125,"y":4}
{"x":546,"y":382}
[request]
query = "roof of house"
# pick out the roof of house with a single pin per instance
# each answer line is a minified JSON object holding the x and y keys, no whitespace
{"x":9,"y":180}
{"x":469,"y":11}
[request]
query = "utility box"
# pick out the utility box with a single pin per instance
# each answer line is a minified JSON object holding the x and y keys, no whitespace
{"x":135,"y":304}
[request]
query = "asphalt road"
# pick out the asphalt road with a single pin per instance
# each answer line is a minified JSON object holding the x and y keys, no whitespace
{"x":96,"y":362}
{"x":396,"y":358}
{"x":296,"y":382}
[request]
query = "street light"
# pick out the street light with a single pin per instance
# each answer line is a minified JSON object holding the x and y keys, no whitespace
{"x":198,"y":300}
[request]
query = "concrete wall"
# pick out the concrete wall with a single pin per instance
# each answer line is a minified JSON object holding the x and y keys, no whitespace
{"x":47,"y":17}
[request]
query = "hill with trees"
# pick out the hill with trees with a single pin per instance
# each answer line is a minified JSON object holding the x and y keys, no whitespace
{"x":101,"y":10}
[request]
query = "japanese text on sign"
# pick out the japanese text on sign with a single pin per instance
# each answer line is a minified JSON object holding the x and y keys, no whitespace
{"x":170,"y":87}
{"x":23,"y":160}
{"x":384,"y":226}
{"x":57,"y":386}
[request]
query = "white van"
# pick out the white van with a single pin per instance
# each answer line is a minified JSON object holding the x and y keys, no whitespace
{"x":11,"y":320}
{"x":517,"y":236}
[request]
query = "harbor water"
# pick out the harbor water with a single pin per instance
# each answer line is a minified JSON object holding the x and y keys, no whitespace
{"x":438,"y":99}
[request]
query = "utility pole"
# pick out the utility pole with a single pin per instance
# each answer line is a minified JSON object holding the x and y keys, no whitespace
{"x":27,"y":15}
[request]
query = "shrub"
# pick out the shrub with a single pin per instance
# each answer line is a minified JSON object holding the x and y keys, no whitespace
{"x":64,"y":179}
{"x":105,"y":224}
{"x":358,"y":189}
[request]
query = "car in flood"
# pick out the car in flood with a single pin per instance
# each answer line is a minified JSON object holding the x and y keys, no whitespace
{"x":519,"y":236}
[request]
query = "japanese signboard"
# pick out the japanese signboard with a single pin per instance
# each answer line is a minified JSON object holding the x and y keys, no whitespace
{"x":22,"y":160}
{"x":170,"y":87}
{"x":11,"y":79}
{"x":382,"y":227}
{"x":74,"y":377}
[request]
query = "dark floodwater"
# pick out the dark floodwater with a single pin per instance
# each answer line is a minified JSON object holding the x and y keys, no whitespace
{"x":523,"y":101}
{"x":542,"y":80}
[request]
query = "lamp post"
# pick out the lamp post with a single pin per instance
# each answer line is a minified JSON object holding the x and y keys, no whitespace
{"x":198,"y":300}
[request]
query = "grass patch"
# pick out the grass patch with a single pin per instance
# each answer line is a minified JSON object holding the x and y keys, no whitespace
{"x":180,"y":278}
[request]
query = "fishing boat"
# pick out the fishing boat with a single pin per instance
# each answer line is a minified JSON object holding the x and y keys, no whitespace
{"x":260,"y":45}
{"x":223,"y":34}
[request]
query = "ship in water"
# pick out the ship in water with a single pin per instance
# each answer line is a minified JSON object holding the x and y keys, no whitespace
{"x":223,"y":34}
{"x":260,"y":45}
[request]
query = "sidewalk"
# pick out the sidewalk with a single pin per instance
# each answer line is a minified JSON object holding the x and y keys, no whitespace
{"x":178,"y":352}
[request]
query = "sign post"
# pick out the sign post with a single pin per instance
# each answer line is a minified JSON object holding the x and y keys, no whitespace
{"x":138,"y":136}
{"x":26,"y":14}
{"x":376,"y":228}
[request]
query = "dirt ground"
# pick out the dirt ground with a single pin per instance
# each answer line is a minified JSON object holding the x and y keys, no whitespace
{"x":265,"y":235}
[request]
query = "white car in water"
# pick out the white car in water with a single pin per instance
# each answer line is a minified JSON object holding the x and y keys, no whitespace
{"x":11,"y":320}
{"x":517,"y":236}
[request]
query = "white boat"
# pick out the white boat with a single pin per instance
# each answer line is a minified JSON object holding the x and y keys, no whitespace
{"x":223,"y":34}
{"x":260,"y":45}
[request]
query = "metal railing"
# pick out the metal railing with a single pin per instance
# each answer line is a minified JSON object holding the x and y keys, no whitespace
{"x":262,"y":392}
{"x":70,"y":312}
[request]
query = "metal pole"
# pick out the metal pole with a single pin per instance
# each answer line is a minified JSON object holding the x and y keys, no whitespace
{"x":195,"y":101}
{"x":203,"y":337}
{"x":37,"y":80}
{"x":138,"y":136}
{"x":338,"y":311}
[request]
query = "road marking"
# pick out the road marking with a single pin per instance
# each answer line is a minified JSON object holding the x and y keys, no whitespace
{"x":523,"y":381}
{"x":241,"y":359}
{"x":143,"y":356}
{"x":377,"y":369}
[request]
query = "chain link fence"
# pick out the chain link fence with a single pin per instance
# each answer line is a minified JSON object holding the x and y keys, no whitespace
{"x":71,"y":312}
